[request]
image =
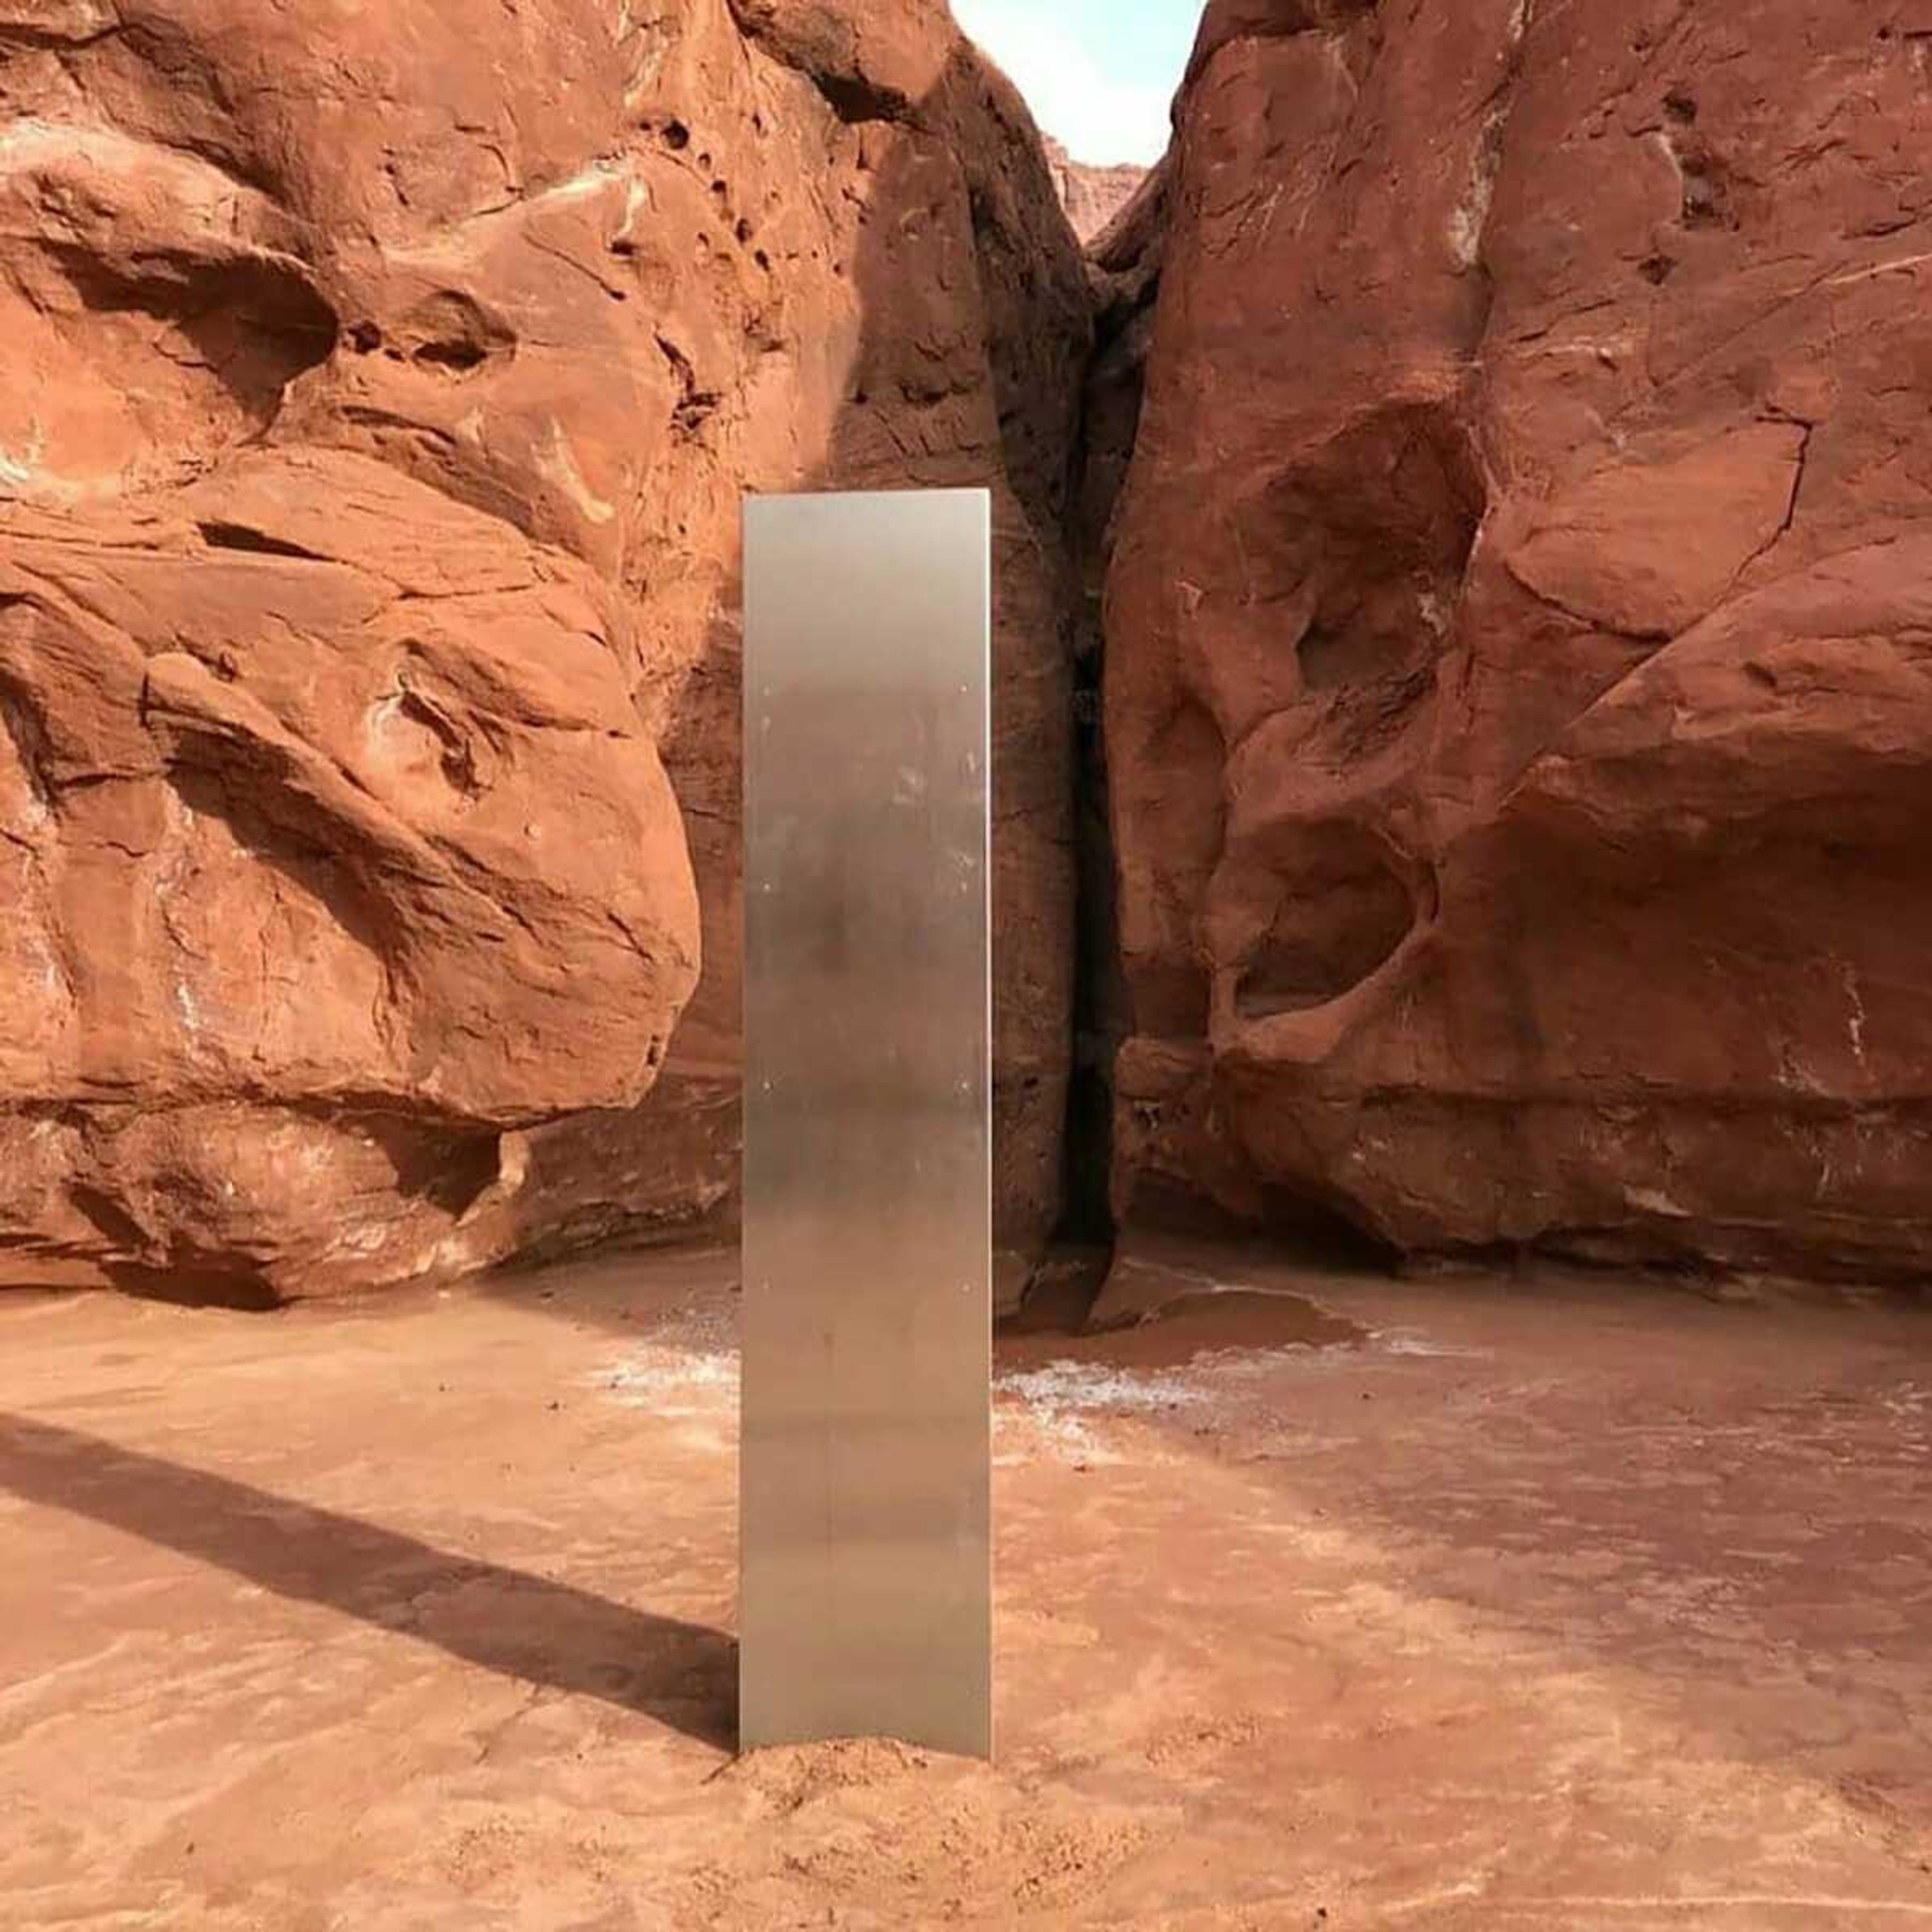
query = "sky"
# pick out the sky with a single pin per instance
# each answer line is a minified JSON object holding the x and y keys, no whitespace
{"x":1098,"y":74}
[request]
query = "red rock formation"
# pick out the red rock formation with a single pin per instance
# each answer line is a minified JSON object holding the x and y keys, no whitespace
{"x":1519,"y":715}
{"x":1092,"y":195}
{"x":378,"y":399}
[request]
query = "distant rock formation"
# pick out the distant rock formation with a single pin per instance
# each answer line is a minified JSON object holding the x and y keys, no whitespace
{"x":1092,"y":196}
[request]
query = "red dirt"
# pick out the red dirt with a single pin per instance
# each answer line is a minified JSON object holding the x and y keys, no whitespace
{"x":1585,"y":1607}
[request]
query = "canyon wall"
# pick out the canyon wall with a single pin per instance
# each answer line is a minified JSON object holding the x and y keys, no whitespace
{"x":378,"y":399}
{"x":1461,"y":670}
{"x":1092,"y":195}
{"x":1519,"y":670}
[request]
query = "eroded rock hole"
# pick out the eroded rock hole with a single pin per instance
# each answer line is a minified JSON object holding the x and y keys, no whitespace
{"x":1331,"y":659}
{"x":452,"y":335}
{"x":1386,"y":517}
{"x":451,"y":1171}
{"x":854,"y":98}
{"x":459,"y":356}
{"x":257,"y":543}
{"x":1343,"y":912}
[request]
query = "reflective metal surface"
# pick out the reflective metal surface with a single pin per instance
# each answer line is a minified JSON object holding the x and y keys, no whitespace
{"x":865,"y":1587}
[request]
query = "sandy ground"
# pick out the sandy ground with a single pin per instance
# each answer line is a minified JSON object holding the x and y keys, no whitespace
{"x":1481,"y":1605}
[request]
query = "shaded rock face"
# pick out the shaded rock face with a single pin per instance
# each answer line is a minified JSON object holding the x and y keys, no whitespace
{"x":1092,"y":195}
{"x":1123,"y":269}
{"x":379,"y":399}
{"x":1519,"y":712}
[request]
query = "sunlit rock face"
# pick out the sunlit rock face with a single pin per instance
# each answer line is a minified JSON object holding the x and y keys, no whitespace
{"x":1520,"y":710}
{"x":380,"y":387}
{"x":1092,"y":195}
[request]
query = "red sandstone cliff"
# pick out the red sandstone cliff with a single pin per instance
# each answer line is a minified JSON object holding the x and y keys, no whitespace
{"x":1091,"y":196}
{"x":1519,"y":713}
{"x":1499,"y":476}
{"x":369,"y":487}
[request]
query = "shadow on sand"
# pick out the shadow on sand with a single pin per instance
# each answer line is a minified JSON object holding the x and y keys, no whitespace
{"x":529,"y":1628}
